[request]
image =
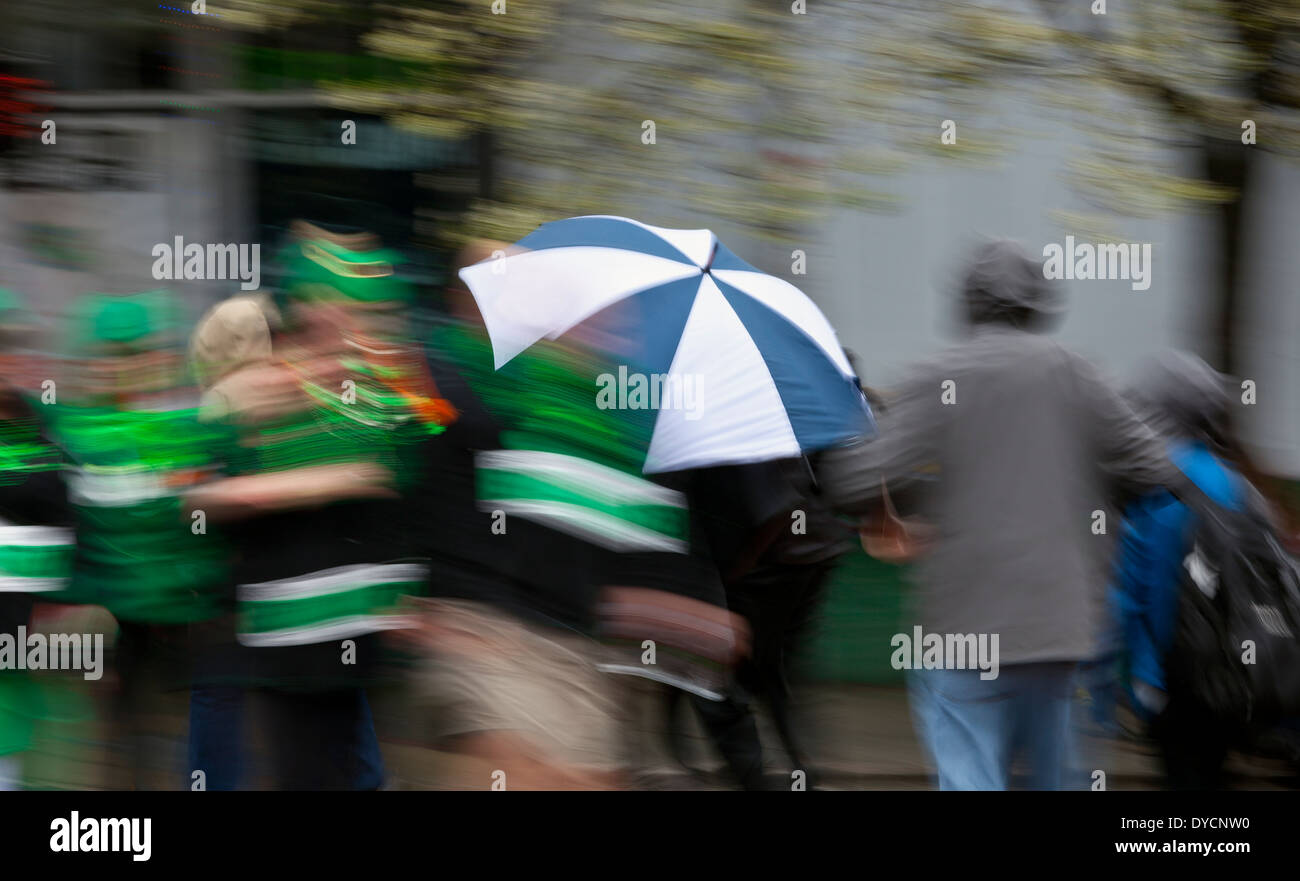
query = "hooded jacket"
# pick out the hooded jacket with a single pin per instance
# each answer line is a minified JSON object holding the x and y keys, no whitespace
{"x":1027,"y":442}
{"x":1187,"y":402}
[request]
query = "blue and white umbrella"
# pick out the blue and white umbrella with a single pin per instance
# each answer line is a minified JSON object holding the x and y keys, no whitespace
{"x":749,"y":368}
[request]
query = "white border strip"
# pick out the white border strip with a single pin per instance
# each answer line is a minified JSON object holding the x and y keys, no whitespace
{"x":327,"y":581}
{"x":328,"y":631}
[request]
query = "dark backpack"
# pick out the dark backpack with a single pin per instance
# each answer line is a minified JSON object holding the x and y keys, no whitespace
{"x":1238,"y":586}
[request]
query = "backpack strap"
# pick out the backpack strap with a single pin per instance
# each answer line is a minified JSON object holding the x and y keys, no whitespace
{"x":1190,"y":494}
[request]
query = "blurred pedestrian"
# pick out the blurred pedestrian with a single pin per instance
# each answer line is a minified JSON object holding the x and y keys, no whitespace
{"x":1027,"y":440}
{"x":776,"y":543}
{"x":509,"y":662}
{"x":35,"y":542}
{"x":327,"y":437}
{"x":129,"y":426}
{"x":1187,"y":402}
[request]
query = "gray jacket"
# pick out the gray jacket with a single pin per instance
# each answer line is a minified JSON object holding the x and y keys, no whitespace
{"x":1030,"y":443}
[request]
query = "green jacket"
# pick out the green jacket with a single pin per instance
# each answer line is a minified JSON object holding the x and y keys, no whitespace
{"x":137,"y":553}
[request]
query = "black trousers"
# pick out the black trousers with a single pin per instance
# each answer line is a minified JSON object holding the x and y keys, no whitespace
{"x":1193,"y":746}
{"x":780,"y":602}
{"x":152,"y":660}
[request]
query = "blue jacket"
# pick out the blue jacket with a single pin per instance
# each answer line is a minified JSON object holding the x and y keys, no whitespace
{"x":1153,"y":543}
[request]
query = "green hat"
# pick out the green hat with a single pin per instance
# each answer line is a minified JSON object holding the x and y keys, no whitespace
{"x":10,"y":305}
{"x":132,"y":320}
{"x":122,"y":322}
{"x":17,"y":327}
{"x":322,"y":269}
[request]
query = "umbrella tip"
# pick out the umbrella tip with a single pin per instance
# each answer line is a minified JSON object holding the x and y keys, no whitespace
{"x":712,"y":254}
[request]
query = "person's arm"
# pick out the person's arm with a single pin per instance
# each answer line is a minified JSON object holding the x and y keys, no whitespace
{"x":234,"y":498}
{"x":1130,"y":453}
{"x":907,"y":442}
{"x":1148,"y":578}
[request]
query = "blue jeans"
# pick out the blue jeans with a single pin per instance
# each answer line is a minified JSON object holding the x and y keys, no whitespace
{"x":217,"y":736}
{"x":974,"y":729}
{"x":322,"y":740}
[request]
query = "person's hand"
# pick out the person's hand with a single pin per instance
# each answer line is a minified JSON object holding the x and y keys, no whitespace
{"x":50,"y":618}
{"x":319,"y":484}
{"x":892,"y":539}
{"x":367,"y":480}
{"x":435,"y":629}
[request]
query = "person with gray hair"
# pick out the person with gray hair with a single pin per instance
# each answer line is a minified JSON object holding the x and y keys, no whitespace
{"x":1019,"y":444}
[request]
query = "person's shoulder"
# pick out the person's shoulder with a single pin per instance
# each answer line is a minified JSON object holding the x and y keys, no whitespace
{"x":1050,"y":349}
{"x":931,"y":368}
{"x":1083,"y":374}
{"x":992,"y":342}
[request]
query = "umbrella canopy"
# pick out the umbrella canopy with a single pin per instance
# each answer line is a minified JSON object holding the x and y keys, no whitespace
{"x":741,"y":366}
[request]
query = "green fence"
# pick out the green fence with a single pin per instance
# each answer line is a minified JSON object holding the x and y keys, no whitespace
{"x":862,"y":610}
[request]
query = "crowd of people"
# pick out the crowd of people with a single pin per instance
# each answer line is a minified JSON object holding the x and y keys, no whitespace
{"x":334,"y":487}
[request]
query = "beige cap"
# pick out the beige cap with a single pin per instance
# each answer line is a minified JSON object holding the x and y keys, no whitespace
{"x":233,"y":334}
